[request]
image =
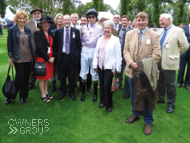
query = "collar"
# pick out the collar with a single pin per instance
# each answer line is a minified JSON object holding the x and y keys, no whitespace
{"x":169,"y":27}
{"x":65,"y":28}
{"x":143,"y":31}
{"x":16,"y":28}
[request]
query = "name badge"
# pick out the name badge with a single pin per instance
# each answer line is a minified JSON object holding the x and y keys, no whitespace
{"x":48,"y":49}
{"x":148,"y":40}
{"x":73,"y":34}
{"x":167,"y":45}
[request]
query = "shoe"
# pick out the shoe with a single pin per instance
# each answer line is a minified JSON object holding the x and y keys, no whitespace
{"x":22,"y":100}
{"x":49,"y":97}
{"x":7,"y":100}
{"x":73,"y":97}
{"x":101,"y":105}
{"x":89,"y":89}
{"x":160,"y":101}
{"x":148,"y":129}
{"x":126,"y":96}
{"x":94,"y":97}
{"x":83,"y":97}
{"x":170,"y":109}
{"x":131,"y":119}
{"x":187,"y":87}
{"x":109,"y":110}
{"x":52,"y":90}
{"x":178,"y":85}
{"x":45,"y":99}
{"x":61,"y":96}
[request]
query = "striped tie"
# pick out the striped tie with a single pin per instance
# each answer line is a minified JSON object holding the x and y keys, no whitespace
{"x":139,"y":42}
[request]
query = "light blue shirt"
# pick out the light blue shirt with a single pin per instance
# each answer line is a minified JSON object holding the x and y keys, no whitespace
{"x":168,"y":30}
{"x":143,"y":32}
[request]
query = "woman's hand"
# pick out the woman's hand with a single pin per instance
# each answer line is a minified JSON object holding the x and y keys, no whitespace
{"x":51,"y":60}
{"x":96,"y":70}
{"x":10,"y":62}
{"x":115,"y":72}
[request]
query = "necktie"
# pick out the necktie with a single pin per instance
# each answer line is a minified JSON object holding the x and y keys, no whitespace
{"x":163,"y":39}
{"x":139,"y":41}
{"x":67,"y":42}
{"x":115,"y":27}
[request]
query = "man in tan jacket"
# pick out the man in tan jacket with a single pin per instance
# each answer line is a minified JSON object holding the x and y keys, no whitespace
{"x":140,"y":43}
{"x":173,"y":43}
{"x":32,"y":24}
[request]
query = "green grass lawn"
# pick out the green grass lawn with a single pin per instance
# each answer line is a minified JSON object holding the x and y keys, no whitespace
{"x":68,"y":121}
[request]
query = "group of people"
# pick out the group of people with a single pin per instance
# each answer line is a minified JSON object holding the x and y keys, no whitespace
{"x":99,"y":51}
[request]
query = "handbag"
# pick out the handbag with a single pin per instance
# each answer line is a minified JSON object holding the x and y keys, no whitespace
{"x":40,"y":68}
{"x":115,"y":84}
{"x":8,"y":88}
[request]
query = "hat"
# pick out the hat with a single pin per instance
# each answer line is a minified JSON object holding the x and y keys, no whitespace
{"x":35,"y":9}
{"x":45,"y":19}
{"x":91,"y":13}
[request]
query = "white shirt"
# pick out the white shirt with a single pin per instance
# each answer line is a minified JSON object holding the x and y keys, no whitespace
{"x":76,"y":26}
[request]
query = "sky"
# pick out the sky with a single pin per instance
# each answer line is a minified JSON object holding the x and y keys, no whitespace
{"x":112,"y":3}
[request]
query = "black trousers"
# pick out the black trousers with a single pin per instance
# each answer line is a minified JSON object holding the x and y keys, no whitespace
{"x":32,"y":78}
{"x":105,"y":77}
{"x":22,"y":78}
{"x":166,"y":82}
{"x":67,"y":68}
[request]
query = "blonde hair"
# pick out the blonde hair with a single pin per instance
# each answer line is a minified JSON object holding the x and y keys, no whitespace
{"x":142,"y":15}
{"x":55,"y":19}
{"x":18,"y":14}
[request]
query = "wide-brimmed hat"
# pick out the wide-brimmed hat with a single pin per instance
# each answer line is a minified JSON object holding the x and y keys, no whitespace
{"x":45,"y":19}
{"x":35,"y":9}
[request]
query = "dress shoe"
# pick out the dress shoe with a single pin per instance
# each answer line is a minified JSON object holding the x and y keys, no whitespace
{"x":101,"y":105}
{"x":187,"y":87}
{"x":170,"y":109}
{"x":52,"y":90}
{"x":89,"y":89}
{"x":160,"y":101}
{"x":7,"y":100}
{"x":73,"y":97}
{"x":22,"y":100}
{"x":83,"y":97}
{"x":109,"y":110}
{"x":131,"y":119}
{"x":148,"y":129}
{"x":61,"y":96}
{"x":178,"y":85}
{"x":94,"y":97}
{"x":126,"y":96}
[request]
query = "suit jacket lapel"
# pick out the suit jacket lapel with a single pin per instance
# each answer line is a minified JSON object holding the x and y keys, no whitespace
{"x":170,"y":33}
{"x":71,"y":31}
{"x":44,"y":36}
{"x":62,"y":36}
{"x":33,"y":24}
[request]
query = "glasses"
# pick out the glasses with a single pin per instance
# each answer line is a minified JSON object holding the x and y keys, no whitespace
{"x":116,"y":18}
{"x":37,"y":13}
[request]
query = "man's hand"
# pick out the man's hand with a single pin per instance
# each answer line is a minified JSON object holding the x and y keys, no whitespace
{"x":51,"y":60}
{"x":96,"y":70}
{"x":134,"y":65}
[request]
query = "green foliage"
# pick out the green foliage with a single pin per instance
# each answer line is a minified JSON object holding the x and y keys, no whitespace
{"x":2,"y":8}
{"x":156,"y":12}
{"x":124,"y":7}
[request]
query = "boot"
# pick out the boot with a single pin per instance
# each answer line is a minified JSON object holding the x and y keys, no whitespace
{"x":83,"y":91}
{"x":95,"y":91}
{"x":53,"y":83}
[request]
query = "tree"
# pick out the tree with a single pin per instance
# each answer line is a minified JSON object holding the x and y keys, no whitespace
{"x":97,"y":4}
{"x":124,"y":7}
{"x":2,"y":8}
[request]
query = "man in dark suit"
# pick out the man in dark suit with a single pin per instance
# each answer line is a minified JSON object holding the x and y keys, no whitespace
{"x":67,"y":44}
{"x":121,"y":33}
{"x":116,"y":20}
{"x":1,"y":31}
{"x":185,"y":60}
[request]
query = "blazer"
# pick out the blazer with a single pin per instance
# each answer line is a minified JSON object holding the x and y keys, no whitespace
{"x":131,"y":48}
{"x":75,"y":45}
{"x":177,"y":45}
{"x":13,"y":41}
{"x":113,"y":54}
{"x":186,"y":29}
{"x":42,"y":44}
{"x":33,"y":29}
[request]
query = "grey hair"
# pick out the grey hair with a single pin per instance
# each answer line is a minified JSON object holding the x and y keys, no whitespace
{"x":66,"y":15}
{"x":108,"y":22}
{"x":75,"y":14}
{"x":55,"y":19}
{"x":166,"y":16}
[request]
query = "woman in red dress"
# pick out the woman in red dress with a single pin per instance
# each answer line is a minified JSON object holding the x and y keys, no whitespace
{"x":45,"y":52}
